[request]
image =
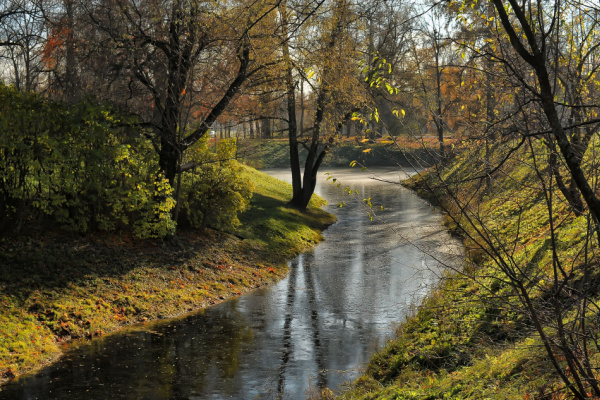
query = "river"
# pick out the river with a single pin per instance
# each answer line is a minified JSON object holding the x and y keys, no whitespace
{"x":314,"y":329}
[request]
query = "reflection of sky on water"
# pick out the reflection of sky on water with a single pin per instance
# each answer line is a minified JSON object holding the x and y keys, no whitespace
{"x":315,"y":328}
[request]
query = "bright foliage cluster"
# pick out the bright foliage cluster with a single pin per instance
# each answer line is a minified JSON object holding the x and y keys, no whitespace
{"x":81,"y":167}
{"x":84,"y":167}
{"x":215,"y":192}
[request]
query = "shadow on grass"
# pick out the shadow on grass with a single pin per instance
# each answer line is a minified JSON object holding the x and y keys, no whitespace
{"x":59,"y":261}
{"x":273,"y":221}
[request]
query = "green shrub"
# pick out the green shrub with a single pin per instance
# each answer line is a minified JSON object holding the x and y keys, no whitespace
{"x":81,"y":167}
{"x":214,"y":192}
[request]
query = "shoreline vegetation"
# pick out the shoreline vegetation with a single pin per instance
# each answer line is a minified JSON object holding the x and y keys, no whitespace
{"x":471,"y":338}
{"x":461,"y":343}
{"x":399,"y":151}
{"x":58,"y":288}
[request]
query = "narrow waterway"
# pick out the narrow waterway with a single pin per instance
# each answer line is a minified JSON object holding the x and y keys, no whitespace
{"x":314,"y":329}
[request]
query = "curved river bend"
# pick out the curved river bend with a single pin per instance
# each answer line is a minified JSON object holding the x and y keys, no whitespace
{"x":314,"y":329}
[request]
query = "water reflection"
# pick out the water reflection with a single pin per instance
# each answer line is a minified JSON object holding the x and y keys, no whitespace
{"x":314,"y":329}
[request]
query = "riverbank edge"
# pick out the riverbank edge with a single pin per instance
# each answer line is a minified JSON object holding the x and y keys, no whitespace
{"x":429,"y":359}
{"x":85,"y":288}
{"x":384,"y":152}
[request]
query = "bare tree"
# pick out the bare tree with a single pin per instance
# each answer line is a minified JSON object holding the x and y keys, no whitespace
{"x":22,"y":32}
{"x":547,"y":54}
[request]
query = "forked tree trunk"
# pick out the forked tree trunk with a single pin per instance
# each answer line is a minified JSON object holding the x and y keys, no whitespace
{"x":303,"y":186}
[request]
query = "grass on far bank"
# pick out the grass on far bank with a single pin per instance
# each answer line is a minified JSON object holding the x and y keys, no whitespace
{"x":58,"y":287}
{"x":401,"y":150}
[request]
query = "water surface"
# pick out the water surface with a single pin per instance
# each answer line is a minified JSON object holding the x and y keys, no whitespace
{"x":314,"y":329}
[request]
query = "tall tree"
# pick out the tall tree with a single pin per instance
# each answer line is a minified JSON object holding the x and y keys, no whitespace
{"x":545,"y":54}
{"x":326,"y":60}
{"x":433,"y":56}
{"x":539,"y":47}
{"x":169,"y":60}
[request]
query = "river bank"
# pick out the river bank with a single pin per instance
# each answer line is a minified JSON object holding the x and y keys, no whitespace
{"x":58,"y":288}
{"x":472,"y":338}
{"x":401,"y":151}
{"x":311,"y":330}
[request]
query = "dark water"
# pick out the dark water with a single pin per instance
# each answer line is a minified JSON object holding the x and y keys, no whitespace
{"x":314,"y":329}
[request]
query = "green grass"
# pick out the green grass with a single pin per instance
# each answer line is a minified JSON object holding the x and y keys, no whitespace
{"x":471,"y":338}
{"x":279,"y":227}
{"x":275,"y":153}
{"x":59,"y":287}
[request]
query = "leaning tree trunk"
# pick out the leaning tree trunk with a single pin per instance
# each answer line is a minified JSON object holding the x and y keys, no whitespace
{"x":314,"y":159}
{"x":535,"y":53}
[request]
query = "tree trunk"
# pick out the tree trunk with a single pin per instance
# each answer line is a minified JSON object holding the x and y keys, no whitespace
{"x":439,"y":121}
{"x":489,"y":111}
{"x":291,"y":109}
{"x":168,"y":160}
{"x":301,"y":106}
{"x":570,"y":193}
{"x":537,"y":60}
{"x":535,"y":53}
{"x":70,"y":86}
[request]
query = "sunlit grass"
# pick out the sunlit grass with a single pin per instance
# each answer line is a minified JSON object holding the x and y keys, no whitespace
{"x":59,"y":287}
{"x":471,"y":339}
{"x":274,"y":153}
{"x":271,"y":222}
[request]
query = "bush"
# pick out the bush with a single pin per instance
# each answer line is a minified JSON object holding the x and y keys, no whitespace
{"x":214,"y":192}
{"x":81,"y":167}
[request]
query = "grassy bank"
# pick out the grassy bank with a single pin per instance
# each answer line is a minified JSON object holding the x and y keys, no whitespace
{"x":56,"y":288}
{"x":384,"y":152}
{"x":472,"y":338}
